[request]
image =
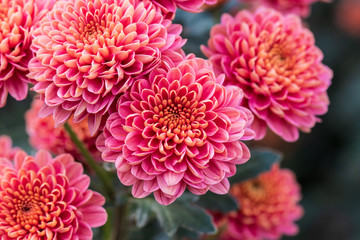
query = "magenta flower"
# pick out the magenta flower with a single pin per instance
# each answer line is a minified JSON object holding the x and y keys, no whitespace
{"x":6,"y":148}
{"x":179,"y":128}
{"x":269,"y":207}
{"x":88,"y":51}
{"x":18,"y":19}
{"x":46,"y":198}
{"x":44,"y":135}
{"x":348,"y":16}
{"x":298,"y":7}
{"x":273,"y":58}
{"x":170,"y":6}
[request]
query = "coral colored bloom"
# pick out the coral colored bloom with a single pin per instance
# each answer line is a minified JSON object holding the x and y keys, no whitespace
{"x":88,"y":51}
{"x":179,"y":128}
{"x":6,"y":149}
{"x":274,"y":60}
{"x":269,"y":207}
{"x":43,"y":134}
{"x":47,"y":198}
{"x":348,"y":16}
{"x":170,"y":6}
{"x":298,"y":7}
{"x":18,"y":19}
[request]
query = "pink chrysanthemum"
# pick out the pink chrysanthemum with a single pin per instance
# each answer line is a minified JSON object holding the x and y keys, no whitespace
{"x":88,"y":51}
{"x":6,"y":149}
{"x":178,"y":129}
{"x":274,"y":60}
{"x":18,"y":19}
{"x":46,"y":198}
{"x":43,"y":134}
{"x":170,"y":6}
{"x":298,"y":7}
{"x":268,"y":207}
{"x":348,"y":16}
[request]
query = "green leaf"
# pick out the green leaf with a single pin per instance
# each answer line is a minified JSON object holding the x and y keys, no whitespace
{"x":261,"y":161}
{"x":143,"y":211}
{"x":215,"y":202}
{"x":183,"y":233}
{"x":166,"y":219}
{"x":150,"y":231}
{"x":194,"y":218}
{"x":183,"y":213}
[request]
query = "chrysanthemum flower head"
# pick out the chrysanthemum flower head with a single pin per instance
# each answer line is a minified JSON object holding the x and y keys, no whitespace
{"x":348,"y":16}
{"x":298,"y":7}
{"x":47,"y":198}
{"x":18,"y":19}
{"x":269,"y":205}
{"x":6,"y":148}
{"x":168,"y":7}
{"x":88,"y":51}
{"x":179,"y":128}
{"x":44,"y":135}
{"x":7,"y":151}
{"x":273,"y":58}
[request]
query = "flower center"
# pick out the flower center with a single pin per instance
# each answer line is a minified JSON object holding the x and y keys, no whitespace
{"x":176,"y":115}
{"x":29,"y":208}
{"x":254,"y":190}
{"x":179,"y":119}
{"x":26,"y":210}
{"x":281,"y":66}
{"x":279,"y":58}
{"x":91,"y":31}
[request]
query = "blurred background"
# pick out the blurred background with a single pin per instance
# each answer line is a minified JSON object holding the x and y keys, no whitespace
{"x":326,"y":161}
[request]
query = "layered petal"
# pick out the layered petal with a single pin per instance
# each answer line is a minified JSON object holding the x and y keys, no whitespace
{"x":298,"y":7}
{"x":18,"y":20}
{"x":269,"y":207}
{"x":88,"y":52}
{"x":274,"y":60}
{"x":50,"y":197}
{"x":6,"y":148}
{"x":177,"y":128}
{"x":168,"y":7}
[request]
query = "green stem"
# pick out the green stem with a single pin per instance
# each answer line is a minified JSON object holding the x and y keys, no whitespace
{"x":121,"y":223}
{"x":107,"y":229}
{"x":98,"y":169}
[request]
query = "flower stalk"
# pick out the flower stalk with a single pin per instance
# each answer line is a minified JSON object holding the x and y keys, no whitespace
{"x":121,"y":224}
{"x":97,"y":168}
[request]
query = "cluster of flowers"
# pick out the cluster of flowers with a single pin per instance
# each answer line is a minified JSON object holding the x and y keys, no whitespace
{"x":168,"y":121}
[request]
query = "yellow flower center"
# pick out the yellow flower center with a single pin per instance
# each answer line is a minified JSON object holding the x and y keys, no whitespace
{"x":254,"y":190}
{"x":90,"y":32}
{"x":30,"y":208}
{"x":179,"y":118}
